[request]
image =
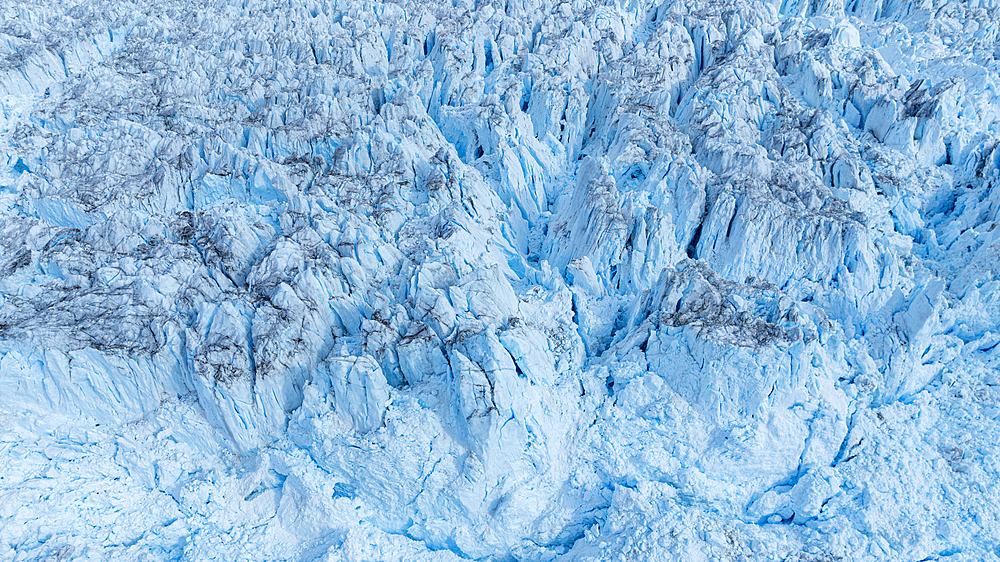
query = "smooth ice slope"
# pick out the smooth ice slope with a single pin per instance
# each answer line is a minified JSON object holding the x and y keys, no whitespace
{"x":521,"y":280}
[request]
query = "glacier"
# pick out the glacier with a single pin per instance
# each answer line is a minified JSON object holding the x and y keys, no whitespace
{"x":532,"y":280}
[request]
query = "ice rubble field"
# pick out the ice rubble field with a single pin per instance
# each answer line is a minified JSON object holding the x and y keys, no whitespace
{"x":519,"y":280}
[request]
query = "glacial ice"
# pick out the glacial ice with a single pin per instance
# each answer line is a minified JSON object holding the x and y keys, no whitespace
{"x":525,"y":280}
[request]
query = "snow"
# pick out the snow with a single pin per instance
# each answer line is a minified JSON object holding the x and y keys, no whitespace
{"x":524,"y":280}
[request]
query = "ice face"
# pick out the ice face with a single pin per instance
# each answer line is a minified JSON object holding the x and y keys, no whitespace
{"x":584,"y":280}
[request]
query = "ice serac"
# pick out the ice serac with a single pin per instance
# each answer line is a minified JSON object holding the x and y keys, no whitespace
{"x":524,"y":280}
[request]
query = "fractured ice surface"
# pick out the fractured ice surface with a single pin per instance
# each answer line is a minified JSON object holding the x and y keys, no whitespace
{"x":523,"y":280}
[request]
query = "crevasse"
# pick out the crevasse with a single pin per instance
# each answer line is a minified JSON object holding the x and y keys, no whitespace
{"x":526,"y":280}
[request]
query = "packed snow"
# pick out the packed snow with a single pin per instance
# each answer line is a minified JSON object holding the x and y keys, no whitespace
{"x":520,"y":280}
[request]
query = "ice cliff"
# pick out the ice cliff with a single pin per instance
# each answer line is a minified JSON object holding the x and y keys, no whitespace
{"x":526,"y":280}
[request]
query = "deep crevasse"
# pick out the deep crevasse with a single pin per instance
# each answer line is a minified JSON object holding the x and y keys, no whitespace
{"x":499,"y":280}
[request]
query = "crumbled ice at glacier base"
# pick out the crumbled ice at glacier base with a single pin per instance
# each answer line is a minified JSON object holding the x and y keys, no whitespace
{"x":527,"y":280}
